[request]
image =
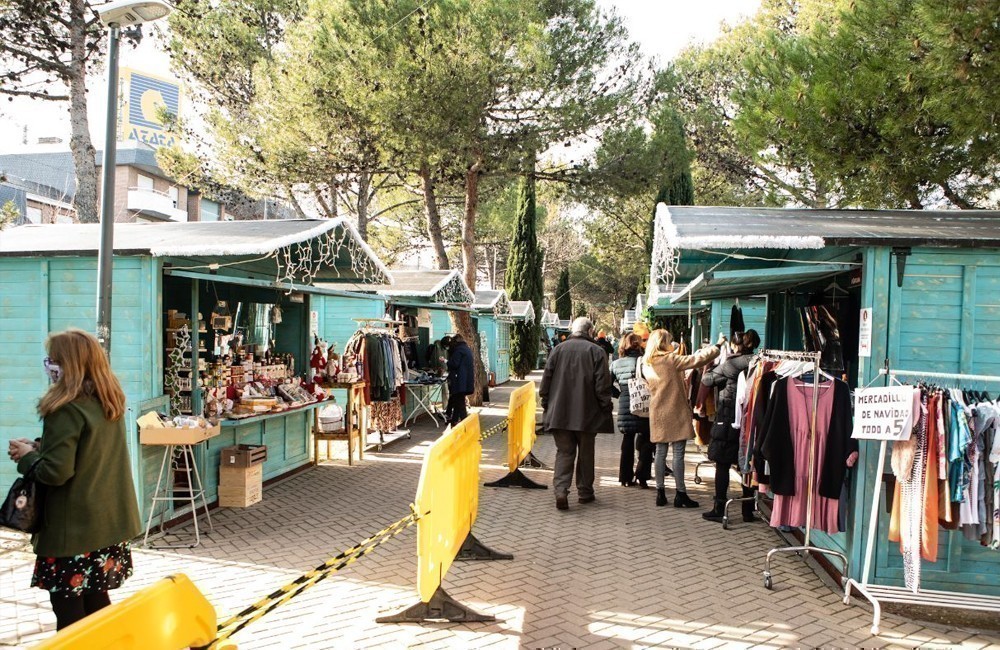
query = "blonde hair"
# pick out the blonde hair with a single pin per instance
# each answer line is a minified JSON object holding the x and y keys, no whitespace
{"x":85,"y":372}
{"x":660,"y":343}
{"x":641,"y":329}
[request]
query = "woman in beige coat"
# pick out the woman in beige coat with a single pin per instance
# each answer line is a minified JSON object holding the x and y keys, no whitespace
{"x":669,"y":411}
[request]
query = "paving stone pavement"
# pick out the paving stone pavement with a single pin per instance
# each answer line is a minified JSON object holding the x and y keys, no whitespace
{"x":618,"y":573}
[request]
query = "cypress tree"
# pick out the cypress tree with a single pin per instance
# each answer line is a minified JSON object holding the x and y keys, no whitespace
{"x":524,"y":279}
{"x":564,"y":301}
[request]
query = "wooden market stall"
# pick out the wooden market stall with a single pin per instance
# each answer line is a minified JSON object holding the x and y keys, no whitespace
{"x":244,"y":295}
{"x":493,"y":319}
{"x":929,"y":282}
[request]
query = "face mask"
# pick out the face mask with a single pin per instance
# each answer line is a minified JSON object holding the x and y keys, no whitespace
{"x":53,"y":370}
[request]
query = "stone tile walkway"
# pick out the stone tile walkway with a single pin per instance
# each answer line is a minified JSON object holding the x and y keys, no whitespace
{"x":619,"y":573}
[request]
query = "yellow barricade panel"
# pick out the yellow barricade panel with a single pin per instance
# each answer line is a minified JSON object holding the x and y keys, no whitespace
{"x":169,"y":615}
{"x":521,"y":425}
{"x":449,"y":491}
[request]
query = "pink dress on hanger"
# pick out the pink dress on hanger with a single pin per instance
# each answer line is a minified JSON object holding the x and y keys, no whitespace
{"x":791,"y":510}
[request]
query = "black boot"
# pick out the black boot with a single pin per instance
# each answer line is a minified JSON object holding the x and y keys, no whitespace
{"x":682,"y":500}
{"x":717,"y":512}
{"x":748,"y":512}
{"x":661,"y":496}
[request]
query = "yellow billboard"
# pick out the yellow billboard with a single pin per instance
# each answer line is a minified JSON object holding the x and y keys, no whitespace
{"x":145,"y":97}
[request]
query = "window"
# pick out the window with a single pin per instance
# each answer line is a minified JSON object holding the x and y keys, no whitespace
{"x":209,"y":210}
{"x":172,"y":193}
{"x":33,"y":214}
{"x":145,"y":182}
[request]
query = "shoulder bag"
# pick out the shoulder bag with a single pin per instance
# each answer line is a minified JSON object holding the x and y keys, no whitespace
{"x":638,"y":393}
{"x":22,"y":509}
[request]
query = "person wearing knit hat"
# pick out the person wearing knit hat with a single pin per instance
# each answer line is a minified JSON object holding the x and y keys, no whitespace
{"x":642,"y":329}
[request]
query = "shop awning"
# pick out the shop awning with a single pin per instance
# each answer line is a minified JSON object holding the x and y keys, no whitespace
{"x":742,"y":284}
{"x":666,"y":303}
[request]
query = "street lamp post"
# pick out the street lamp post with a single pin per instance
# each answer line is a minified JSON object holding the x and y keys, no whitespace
{"x":114,"y":15}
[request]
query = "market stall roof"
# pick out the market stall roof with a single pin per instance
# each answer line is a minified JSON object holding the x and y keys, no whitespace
{"x":492,"y":300}
{"x":564,"y":324}
{"x":737,"y":284}
{"x":297,"y":250}
{"x":698,"y":227}
{"x":523,"y":310}
{"x":433,"y":287}
{"x":549,"y":319}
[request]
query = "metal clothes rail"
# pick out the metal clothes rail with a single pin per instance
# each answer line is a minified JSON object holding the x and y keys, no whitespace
{"x":877,"y":594}
{"x":806,"y":548}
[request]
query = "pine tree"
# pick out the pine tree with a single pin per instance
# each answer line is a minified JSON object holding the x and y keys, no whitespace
{"x":524,"y":279}
{"x":564,"y":301}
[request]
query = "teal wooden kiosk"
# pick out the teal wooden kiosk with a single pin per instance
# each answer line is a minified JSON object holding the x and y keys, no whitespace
{"x":930,"y":282}
{"x":493,"y":319}
{"x":263,"y":276}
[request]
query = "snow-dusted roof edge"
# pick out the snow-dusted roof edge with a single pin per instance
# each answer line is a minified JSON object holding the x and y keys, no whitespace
{"x":379,"y":264}
{"x":666,"y":228}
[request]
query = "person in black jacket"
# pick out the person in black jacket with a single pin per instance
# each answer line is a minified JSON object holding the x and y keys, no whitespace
{"x":576,"y":396}
{"x":724,"y":446}
{"x":461,"y":379}
{"x":634,"y":429}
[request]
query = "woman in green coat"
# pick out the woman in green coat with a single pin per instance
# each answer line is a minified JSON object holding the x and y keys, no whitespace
{"x":89,"y":511}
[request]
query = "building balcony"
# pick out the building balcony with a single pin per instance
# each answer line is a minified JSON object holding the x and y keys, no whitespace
{"x":157,"y":205}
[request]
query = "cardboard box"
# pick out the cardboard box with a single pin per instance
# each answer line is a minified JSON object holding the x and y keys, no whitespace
{"x":243,"y":456}
{"x":240,"y":497}
{"x":240,"y":477}
{"x":176,"y":436}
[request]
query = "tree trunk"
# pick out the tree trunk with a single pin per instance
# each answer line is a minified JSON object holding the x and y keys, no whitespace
{"x":956,"y":199}
{"x":464,"y":320}
{"x":84,"y":155}
{"x":433,"y":218}
{"x":913,"y":198}
{"x":364,"y":185}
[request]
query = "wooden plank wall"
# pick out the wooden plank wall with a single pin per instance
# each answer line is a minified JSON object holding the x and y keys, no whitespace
{"x":754,"y":317}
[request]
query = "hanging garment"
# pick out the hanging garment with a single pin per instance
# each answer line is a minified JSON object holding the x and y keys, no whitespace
{"x":929,"y":525}
{"x":787,"y":449}
{"x":387,"y":415}
{"x":736,"y":323}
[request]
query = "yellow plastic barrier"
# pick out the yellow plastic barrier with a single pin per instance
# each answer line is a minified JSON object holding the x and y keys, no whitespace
{"x":447,"y":500}
{"x":169,"y":615}
{"x":449,"y":491}
{"x":521,"y":425}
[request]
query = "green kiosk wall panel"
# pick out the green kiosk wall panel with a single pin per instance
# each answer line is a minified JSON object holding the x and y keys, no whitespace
{"x":754,"y":316}
{"x":441,"y":324}
{"x":38,"y":296}
{"x":336,"y":322}
{"x":942,"y":319}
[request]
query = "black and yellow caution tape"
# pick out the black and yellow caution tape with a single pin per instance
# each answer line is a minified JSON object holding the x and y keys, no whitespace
{"x":285,"y":593}
{"x":495,"y":429}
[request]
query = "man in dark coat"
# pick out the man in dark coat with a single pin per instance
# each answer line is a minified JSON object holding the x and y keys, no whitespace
{"x":576,"y":396}
{"x":461,"y":379}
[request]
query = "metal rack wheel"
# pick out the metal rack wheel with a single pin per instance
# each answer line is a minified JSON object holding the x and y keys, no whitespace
{"x":697,"y":480}
{"x":875,"y":630}
{"x":767,"y":581}
{"x":725,"y":523}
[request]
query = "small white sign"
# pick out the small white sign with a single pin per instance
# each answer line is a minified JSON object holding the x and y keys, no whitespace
{"x":883,"y":413}
{"x":423,"y":318}
{"x":865,"y":335}
{"x":314,"y":322}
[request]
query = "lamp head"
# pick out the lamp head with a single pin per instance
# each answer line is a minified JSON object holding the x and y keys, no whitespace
{"x":125,"y":13}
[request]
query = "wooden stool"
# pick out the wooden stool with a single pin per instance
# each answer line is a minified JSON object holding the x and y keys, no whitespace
{"x":355,"y":427}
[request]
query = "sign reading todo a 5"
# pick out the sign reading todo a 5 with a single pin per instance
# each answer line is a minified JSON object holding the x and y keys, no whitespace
{"x":883,"y":413}
{"x":146,"y":98}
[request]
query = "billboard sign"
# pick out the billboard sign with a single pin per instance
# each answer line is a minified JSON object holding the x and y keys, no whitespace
{"x":145,"y":97}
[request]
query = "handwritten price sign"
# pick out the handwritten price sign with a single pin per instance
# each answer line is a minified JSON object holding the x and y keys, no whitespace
{"x":883,"y":413}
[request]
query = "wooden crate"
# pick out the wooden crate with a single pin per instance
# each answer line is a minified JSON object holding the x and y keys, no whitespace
{"x":240,"y":497}
{"x":243,"y":455}
{"x":240,"y":477}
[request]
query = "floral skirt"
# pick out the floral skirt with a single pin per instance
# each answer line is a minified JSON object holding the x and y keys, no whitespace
{"x":100,"y":570}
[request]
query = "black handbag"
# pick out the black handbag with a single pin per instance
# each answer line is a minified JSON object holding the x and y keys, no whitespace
{"x":22,"y":509}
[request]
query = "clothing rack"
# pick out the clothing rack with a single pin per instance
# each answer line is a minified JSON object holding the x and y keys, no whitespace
{"x":877,"y":594}
{"x":386,"y":322}
{"x":806,"y":548}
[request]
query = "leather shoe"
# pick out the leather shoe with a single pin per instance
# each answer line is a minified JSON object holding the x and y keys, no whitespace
{"x":562,"y":503}
{"x":589,"y":499}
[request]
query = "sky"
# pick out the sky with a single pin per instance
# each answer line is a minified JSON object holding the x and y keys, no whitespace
{"x":662,"y":28}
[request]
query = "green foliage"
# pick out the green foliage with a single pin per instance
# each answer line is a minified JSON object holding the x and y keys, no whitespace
{"x":564,"y":298}
{"x":524,"y":278}
{"x":9,"y":214}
